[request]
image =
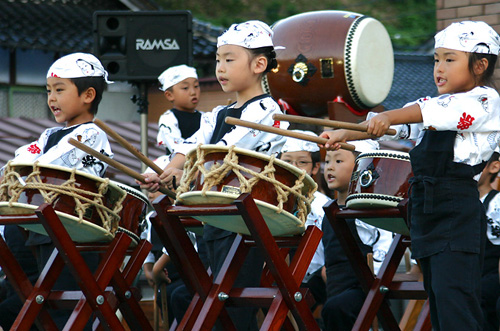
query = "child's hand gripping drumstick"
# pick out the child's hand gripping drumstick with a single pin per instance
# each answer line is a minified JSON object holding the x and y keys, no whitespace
{"x":261,"y":127}
{"x":128,"y":146}
{"x":327,"y":123}
{"x":117,"y":165}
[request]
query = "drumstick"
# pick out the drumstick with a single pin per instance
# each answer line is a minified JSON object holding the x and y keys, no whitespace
{"x":328,"y":123}
{"x":288,"y":133}
{"x":128,"y":146}
{"x":117,"y":165}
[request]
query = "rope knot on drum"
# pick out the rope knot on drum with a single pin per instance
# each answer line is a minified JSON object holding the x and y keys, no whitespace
{"x":214,"y":174}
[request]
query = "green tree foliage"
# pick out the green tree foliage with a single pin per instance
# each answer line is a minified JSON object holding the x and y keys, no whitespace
{"x":410,"y":23}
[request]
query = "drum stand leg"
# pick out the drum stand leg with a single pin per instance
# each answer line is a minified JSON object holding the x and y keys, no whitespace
{"x":24,"y":289}
{"x":209,"y":300}
{"x":383,"y":286}
{"x":94,"y":296}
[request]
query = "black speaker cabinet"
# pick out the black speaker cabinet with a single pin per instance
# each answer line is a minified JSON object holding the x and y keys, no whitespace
{"x":139,"y":46}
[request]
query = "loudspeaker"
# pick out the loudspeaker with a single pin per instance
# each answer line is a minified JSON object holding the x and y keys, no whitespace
{"x":139,"y":46}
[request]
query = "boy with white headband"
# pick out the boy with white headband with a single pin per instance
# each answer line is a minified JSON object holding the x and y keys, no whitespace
{"x":75,"y":84}
{"x":306,"y":156}
{"x":181,"y":87}
{"x":245,"y":52}
{"x":457,"y":132}
{"x":345,"y":296}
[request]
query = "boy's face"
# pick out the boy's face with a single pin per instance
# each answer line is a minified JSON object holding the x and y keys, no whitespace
{"x":185,"y":95}
{"x":65,"y":103}
{"x":301,"y":160}
{"x":339,"y":166}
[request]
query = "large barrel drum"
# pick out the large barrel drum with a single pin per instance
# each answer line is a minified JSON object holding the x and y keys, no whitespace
{"x":328,"y":56}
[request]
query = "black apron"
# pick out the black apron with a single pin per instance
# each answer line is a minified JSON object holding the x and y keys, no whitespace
{"x":445,"y":208}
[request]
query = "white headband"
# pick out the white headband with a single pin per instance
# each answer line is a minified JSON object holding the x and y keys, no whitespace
{"x":364,"y":146}
{"x":250,"y":34}
{"x":297,"y":145}
{"x":177,"y":74}
{"x":77,"y":65}
{"x":469,"y":36}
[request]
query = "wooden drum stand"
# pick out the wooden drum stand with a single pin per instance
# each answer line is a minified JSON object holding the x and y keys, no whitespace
{"x":386,"y":284}
{"x":280,"y":290}
{"x":102,"y":293}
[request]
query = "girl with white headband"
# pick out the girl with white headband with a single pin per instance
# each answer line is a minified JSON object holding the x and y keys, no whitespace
{"x":456,"y":134}
{"x":245,"y":53}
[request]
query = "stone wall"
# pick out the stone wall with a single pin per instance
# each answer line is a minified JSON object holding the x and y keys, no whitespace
{"x":448,"y":11}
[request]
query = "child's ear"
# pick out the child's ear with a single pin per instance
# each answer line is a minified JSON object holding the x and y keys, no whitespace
{"x":169,"y":95}
{"x":89,"y":94}
{"x":494,"y":167}
{"x":315,"y":169}
{"x":480,"y":66}
{"x":260,"y":64}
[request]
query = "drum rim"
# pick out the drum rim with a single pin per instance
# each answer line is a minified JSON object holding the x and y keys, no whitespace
{"x":264,"y":157}
{"x":213,"y":194}
{"x":372,"y":197}
{"x":68,"y":170}
{"x":132,"y":191}
{"x":404,"y":156}
{"x":61,"y":215}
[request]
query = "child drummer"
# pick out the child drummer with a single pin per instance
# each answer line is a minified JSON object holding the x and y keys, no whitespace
{"x":245,"y":53}
{"x":75,"y":84}
{"x":459,"y":131}
{"x":181,"y":87}
{"x":306,"y":156}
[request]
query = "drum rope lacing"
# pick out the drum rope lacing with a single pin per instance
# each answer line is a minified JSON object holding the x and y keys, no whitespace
{"x":216,"y":173}
{"x":13,"y":185}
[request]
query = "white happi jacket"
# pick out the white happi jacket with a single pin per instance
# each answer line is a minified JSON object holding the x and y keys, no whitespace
{"x":66,"y":155}
{"x":474,"y":115}
{"x":260,"y":110}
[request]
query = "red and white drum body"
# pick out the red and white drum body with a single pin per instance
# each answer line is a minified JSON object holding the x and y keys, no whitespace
{"x":133,"y":213}
{"x":330,"y":55}
{"x":379,"y":180}
{"x":87,"y":205}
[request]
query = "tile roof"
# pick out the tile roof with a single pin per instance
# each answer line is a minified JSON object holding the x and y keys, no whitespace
{"x":413,"y":79}
{"x":16,"y":132}
{"x":66,"y":26}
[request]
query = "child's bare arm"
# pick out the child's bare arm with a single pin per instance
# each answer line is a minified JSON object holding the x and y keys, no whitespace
{"x":379,"y":124}
{"x":159,"y":272}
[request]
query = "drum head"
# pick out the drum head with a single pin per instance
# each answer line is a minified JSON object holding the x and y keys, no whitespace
{"x":280,"y":224}
{"x":328,"y":55}
{"x":79,"y":231}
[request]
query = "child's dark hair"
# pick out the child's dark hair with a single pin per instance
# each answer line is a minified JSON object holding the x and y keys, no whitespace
{"x":315,"y":157}
{"x":494,"y":157}
{"x":84,"y":83}
{"x":269,"y":53}
{"x":487,"y":77}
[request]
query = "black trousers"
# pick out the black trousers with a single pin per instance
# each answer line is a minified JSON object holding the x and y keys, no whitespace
{"x":450,"y":280}
{"x":340,"y":311}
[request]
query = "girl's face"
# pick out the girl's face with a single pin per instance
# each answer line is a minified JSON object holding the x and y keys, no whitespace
{"x":65,"y":103}
{"x":338,"y":170}
{"x":451,"y":71}
{"x":235,"y":69}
